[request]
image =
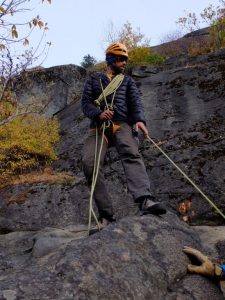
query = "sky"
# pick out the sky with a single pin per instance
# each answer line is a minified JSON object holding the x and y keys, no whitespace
{"x":79,"y":27}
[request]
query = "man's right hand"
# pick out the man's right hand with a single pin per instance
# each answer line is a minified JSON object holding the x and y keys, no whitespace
{"x":106,"y":115}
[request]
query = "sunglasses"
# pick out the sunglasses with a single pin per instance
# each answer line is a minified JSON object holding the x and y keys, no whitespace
{"x":121,"y":58}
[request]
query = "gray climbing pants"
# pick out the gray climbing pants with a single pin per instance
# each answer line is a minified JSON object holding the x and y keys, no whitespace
{"x":127,"y":146}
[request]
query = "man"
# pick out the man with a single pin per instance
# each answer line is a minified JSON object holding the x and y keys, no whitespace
{"x":121,"y":112}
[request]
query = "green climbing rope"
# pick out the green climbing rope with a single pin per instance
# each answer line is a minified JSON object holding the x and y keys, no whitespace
{"x":186,"y":177}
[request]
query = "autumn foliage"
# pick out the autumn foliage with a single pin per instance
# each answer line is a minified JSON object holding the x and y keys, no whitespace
{"x":7,"y":104}
{"x":27,"y":143}
{"x":9,"y":23}
{"x":214,"y":17}
{"x":143,"y":55}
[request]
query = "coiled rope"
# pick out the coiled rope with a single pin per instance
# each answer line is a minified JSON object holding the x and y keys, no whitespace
{"x":111,"y":88}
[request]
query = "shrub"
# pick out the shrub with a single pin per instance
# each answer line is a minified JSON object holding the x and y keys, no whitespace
{"x":217,"y":32}
{"x":143,"y":55}
{"x":155,"y":59}
{"x":199,"y":47}
{"x":7,"y":103}
{"x":173,"y":48}
{"x":214,"y":17}
{"x":27,"y":143}
{"x":137,"y":56}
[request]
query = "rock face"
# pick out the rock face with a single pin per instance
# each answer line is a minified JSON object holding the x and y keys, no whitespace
{"x":189,"y":44}
{"x":212,"y":238}
{"x":44,"y":249}
{"x":185,"y":111}
{"x":139,"y":258}
{"x":50,"y":89}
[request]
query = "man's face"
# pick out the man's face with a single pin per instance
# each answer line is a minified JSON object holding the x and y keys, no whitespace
{"x":120,"y":64}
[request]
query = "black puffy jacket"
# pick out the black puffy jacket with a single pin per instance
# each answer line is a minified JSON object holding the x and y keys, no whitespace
{"x":127,"y":103}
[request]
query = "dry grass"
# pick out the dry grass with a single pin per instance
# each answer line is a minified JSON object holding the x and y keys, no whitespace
{"x":48,"y":175}
{"x":20,"y":198}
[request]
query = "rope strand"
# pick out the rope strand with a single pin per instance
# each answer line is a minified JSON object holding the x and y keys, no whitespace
{"x":186,"y":177}
{"x":97,"y":159}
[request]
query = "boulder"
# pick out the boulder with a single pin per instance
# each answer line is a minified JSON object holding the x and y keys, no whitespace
{"x":213,"y":240}
{"x":43,"y":205}
{"x":50,"y":89}
{"x":137,"y":258}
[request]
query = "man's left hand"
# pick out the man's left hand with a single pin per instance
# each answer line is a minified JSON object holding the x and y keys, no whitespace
{"x":141,"y":125}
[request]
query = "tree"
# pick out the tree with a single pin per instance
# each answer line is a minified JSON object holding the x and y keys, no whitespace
{"x":171,"y":36}
{"x":171,"y":44}
{"x":127,"y":35}
{"x":9,"y":26}
{"x":88,"y":61}
{"x":13,"y":60}
{"x":213,"y":16}
{"x":132,"y":38}
{"x":28,"y":139}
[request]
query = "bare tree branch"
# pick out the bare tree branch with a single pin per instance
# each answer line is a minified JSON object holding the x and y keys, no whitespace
{"x":17,"y":114}
{"x":13,"y":64}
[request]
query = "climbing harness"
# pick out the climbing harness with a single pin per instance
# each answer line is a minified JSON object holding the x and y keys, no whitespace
{"x":186,"y":177}
{"x":110,"y":89}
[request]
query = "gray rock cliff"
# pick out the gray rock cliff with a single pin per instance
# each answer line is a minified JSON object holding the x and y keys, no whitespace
{"x":51,"y":89}
{"x":44,"y":249}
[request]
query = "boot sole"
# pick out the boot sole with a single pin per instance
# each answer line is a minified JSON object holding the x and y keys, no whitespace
{"x":93,"y":231}
{"x":156,"y":209}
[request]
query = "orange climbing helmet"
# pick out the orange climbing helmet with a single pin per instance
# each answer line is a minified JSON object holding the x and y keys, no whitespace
{"x":117,"y":49}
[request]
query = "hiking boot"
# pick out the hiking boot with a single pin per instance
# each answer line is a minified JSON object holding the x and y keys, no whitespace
{"x":103,"y":223}
{"x":150,"y":207}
